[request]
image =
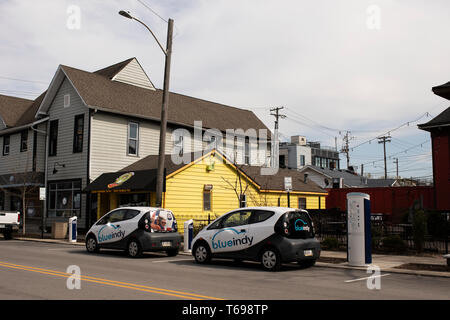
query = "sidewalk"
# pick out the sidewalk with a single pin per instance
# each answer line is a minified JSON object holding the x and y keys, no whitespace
{"x":387,"y":263}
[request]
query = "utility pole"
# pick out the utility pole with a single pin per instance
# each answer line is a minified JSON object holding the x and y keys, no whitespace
{"x":277,"y":115}
{"x":362,"y":169}
{"x":164,"y":110}
{"x":345,"y":148}
{"x":383,"y":140}
{"x":165,"y":101}
{"x":396,"y":163}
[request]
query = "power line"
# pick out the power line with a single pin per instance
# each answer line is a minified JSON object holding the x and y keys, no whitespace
{"x":392,"y":130}
{"x":159,"y":16}
{"x":22,"y":80}
{"x":403,"y":151}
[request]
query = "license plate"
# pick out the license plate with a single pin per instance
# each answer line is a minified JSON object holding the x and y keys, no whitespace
{"x":308,"y":253}
{"x":166,"y":243}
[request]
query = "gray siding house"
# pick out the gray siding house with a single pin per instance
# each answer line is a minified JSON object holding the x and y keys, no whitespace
{"x":89,"y":123}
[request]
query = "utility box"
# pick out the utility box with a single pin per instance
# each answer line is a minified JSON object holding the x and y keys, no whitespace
{"x":59,"y":230}
{"x":188,"y":235}
{"x":73,"y":229}
{"x":359,"y":237}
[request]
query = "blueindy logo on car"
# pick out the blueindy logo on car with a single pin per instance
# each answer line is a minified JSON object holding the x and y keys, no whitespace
{"x":114,"y":235}
{"x":219,"y":244}
{"x":303,"y":227}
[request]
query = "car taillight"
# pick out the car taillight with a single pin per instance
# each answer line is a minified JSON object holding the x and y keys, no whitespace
{"x":18,"y":218}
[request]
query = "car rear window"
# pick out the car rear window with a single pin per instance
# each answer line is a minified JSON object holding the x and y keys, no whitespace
{"x":295,"y":225}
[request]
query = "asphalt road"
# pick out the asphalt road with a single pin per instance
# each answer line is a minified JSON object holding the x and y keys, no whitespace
{"x":33,"y":270}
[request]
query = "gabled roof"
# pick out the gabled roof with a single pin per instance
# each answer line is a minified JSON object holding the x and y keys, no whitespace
{"x":12,"y":109}
{"x":265,"y":182}
{"x":351,"y":180}
{"x":97,"y":91}
{"x":114,"y":69}
{"x":442,"y":90}
{"x":441,"y":120}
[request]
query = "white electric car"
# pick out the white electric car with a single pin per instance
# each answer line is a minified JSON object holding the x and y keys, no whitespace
{"x":271,"y":235}
{"x":135,"y":230}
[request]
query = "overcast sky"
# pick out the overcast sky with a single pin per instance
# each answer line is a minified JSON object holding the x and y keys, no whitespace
{"x":362,"y":66}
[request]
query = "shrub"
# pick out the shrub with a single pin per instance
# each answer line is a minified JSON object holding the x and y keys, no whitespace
{"x":330,"y":243}
{"x":394,"y":243}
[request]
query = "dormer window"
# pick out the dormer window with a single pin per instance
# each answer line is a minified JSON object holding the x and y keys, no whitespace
{"x":66,"y":100}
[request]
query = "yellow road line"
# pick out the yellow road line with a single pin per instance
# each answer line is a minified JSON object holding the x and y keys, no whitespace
{"x":180,"y":294}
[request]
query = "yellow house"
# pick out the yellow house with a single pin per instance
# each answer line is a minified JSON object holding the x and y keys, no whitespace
{"x":206,"y":188}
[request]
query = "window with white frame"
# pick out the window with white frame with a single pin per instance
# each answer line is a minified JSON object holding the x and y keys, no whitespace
{"x":133,"y":138}
{"x":66,"y":100}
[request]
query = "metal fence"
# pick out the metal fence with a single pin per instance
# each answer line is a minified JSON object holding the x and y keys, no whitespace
{"x":386,"y":236}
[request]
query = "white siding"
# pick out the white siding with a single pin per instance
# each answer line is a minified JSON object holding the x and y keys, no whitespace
{"x":134,"y":74}
{"x":109,"y":134}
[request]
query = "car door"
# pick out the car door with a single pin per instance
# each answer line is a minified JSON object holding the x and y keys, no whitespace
{"x":233,"y":234}
{"x":110,"y":229}
{"x":262,"y":225}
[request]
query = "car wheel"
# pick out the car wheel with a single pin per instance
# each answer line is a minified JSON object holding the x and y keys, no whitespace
{"x":7,"y":235}
{"x":306,"y":263}
{"x":172,"y":252}
{"x":134,"y":249}
{"x":92,"y":245}
{"x":202,"y":253}
{"x":270,"y":259}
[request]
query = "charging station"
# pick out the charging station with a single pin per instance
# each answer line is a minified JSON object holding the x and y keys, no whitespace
{"x":73,"y":229}
{"x":359,"y":237}
{"x":188,"y":235}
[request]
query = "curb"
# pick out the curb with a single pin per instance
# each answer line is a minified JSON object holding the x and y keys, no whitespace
{"x":318,"y":264}
{"x":391,"y":270}
{"x":54,"y":241}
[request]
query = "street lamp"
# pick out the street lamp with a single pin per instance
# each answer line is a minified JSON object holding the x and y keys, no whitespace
{"x":165,"y":101}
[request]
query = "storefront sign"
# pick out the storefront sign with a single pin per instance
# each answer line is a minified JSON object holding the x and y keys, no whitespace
{"x":120,"y":180}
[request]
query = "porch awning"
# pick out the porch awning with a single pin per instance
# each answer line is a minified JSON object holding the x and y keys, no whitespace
{"x":142,"y":180}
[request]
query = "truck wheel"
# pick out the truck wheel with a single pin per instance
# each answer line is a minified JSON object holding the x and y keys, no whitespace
{"x":306,"y":263}
{"x":91,"y":244}
{"x":134,"y":249}
{"x":270,"y":259}
{"x":202,"y":254}
{"x":172,"y":252}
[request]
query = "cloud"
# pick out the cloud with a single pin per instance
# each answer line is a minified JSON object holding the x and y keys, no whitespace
{"x":317,"y":58}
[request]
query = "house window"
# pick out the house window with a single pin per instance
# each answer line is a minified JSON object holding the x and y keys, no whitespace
{"x":64,"y":198}
{"x":282,"y":161}
{"x":24,"y":141}
{"x":180,"y":145}
{"x":53,"y":137}
{"x":243,"y":201}
{"x":2,"y":200}
{"x":206,"y":200}
{"x":247,"y":150}
{"x":66,"y":100}
{"x":302,"y":160}
{"x":133,"y":138}
{"x":6,"y":145}
{"x":301,"y":203}
{"x":78,"y":133}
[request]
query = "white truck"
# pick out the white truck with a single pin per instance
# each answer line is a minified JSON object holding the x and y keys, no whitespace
{"x":9,"y":222}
